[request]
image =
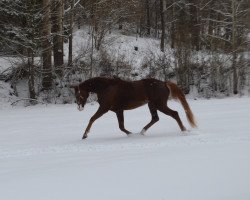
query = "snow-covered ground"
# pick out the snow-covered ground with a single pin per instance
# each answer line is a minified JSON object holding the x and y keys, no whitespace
{"x":42,"y":155}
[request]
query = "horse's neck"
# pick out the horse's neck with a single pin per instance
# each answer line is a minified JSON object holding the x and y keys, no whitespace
{"x":100,"y":85}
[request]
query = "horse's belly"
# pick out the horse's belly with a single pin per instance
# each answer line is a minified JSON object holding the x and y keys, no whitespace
{"x":133,"y":105}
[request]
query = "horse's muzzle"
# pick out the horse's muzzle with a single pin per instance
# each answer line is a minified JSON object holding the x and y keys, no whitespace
{"x":80,"y":108}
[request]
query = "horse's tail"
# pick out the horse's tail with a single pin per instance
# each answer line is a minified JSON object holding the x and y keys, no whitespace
{"x":176,"y":93}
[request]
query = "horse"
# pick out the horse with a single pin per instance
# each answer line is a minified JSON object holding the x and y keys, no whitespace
{"x":117,"y":95}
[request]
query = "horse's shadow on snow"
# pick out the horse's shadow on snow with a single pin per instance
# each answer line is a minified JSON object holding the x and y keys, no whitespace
{"x":136,"y":137}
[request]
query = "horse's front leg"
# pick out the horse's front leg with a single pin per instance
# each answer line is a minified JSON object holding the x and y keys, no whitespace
{"x":97,"y":115}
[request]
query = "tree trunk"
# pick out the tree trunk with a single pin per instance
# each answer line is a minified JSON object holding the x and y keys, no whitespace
{"x":30,"y":52}
{"x":57,"y":30}
{"x":71,"y":22}
{"x":211,"y":27}
{"x":148,"y":17}
{"x":235,"y":74}
{"x":194,"y":26}
{"x":31,"y":80}
{"x":156,"y":20}
{"x":162,"y":25}
{"x":234,"y":49}
{"x":172,"y":29}
{"x":46,"y":47}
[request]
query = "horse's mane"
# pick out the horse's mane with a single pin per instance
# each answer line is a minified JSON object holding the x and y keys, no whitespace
{"x":99,"y":83}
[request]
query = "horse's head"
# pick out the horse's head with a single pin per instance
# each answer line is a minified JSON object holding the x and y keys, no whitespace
{"x":81,"y":95}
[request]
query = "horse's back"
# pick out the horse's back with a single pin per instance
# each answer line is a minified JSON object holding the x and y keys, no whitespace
{"x":125,"y":95}
{"x":156,"y":90}
{"x":128,"y":95}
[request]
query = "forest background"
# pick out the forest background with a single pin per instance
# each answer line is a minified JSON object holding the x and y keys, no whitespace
{"x":46,"y":45}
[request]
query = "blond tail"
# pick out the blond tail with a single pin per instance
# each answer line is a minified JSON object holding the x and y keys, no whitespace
{"x":176,"y":93}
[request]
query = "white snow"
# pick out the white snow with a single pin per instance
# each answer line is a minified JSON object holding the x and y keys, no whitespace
{"x":5,"y":64}
{"x":117,"y":46}
{"x":43,"y":157}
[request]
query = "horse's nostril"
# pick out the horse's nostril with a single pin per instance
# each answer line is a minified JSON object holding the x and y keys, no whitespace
{"x":75,"y":101}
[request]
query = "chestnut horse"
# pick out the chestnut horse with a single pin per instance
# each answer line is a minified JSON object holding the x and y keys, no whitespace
{"x":118,"y":95}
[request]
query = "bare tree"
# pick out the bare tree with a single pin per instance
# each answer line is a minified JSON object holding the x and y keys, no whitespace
{"x":194,"y":25}
{"x":57,"y":32}
{"x":46,"y":46}
{"x":71,"y":26}
{"x":148,"y":17}
{"x":162,"y":9}
{"x":31,"y":50}
{"x":230,"y":30}
{"x":20,"y":22}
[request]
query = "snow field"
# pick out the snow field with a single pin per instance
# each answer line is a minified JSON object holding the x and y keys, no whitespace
{"x":42,"y":155}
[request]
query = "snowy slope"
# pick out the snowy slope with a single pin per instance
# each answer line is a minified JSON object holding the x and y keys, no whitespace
{"x":43,"y":157}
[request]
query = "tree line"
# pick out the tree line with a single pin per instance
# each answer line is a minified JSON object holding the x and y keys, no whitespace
{"x":42,"y":29}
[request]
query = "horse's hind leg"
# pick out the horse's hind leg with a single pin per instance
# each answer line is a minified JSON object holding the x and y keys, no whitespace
{"x":120,"y":118}
{"x":172,"y":113}
{"x":155,"y":117}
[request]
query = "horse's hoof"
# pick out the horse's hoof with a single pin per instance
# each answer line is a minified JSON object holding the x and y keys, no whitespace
{"x":143,"y":131}
{"x":185,"y":132}
{"x":84,"y":137}
{"x":129,"y":134}
{"x":184,"y":129}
